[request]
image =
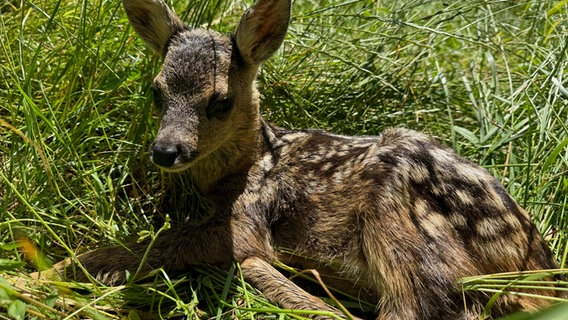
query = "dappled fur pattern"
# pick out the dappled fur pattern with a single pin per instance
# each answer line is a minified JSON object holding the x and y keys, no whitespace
{"x":397,"y":215}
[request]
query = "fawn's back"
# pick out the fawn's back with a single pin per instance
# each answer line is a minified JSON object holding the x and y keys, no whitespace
{"x":398,"y":216}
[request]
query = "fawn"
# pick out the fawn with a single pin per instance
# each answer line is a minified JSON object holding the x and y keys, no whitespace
{"x":398,"y":215}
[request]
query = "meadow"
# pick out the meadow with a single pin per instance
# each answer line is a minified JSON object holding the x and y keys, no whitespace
{"x":487,"y":78}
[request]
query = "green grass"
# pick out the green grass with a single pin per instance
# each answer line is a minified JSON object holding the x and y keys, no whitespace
{"x":487,"y":78}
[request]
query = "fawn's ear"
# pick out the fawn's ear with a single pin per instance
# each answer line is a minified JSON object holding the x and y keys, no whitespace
{"x":262,"y":30}
{"x":154,"y":22}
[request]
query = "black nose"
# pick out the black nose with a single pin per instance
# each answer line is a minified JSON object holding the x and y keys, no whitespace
{"x":164,"y":156}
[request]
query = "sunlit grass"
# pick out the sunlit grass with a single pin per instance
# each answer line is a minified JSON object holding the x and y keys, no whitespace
{"x":487,"y":78}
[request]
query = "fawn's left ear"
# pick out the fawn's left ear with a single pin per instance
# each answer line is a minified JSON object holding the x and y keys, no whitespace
{"x":262,"y":30}
{"x":154,"y":22}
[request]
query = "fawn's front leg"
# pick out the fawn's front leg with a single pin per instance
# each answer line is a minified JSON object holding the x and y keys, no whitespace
{"x":216,"y":243}
{"x":277,"y":288}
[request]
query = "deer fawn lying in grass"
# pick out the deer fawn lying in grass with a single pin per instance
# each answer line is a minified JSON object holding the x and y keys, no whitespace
{"x":397,"y":214}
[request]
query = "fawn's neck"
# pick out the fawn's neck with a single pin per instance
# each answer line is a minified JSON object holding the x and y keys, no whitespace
{"x":236,"y":155}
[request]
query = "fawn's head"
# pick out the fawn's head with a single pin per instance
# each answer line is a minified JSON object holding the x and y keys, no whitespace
{"x":205,"y":90}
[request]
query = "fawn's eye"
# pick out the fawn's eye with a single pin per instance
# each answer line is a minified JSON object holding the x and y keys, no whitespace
{"x":157,"y":96}
{"x":219,"y":108}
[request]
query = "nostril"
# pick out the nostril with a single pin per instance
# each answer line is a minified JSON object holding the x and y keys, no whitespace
{"x":164,"y":156}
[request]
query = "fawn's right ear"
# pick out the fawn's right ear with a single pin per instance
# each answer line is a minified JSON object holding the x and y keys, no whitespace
{"x":154,"y":22}
{"x":262,"y":30}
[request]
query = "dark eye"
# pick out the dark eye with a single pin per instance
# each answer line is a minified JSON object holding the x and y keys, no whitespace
{"x":219,"y":108}
{"x":157,"y":95}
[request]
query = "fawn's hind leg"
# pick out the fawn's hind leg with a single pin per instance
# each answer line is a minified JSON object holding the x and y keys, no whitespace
{"x":277,"y":288}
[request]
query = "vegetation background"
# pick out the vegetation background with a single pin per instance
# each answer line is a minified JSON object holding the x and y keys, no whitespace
{"x":485,"y":77}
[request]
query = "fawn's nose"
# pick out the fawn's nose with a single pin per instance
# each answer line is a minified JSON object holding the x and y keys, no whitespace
{"x":164,"y":156}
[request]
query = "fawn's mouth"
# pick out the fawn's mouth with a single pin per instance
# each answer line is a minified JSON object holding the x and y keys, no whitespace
{"x":175,"y":168}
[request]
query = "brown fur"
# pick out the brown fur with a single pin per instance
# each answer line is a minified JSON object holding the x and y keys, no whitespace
{"x":397,"y":214}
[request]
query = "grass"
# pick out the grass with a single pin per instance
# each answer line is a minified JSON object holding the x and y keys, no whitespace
{"x":487,"y":78}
